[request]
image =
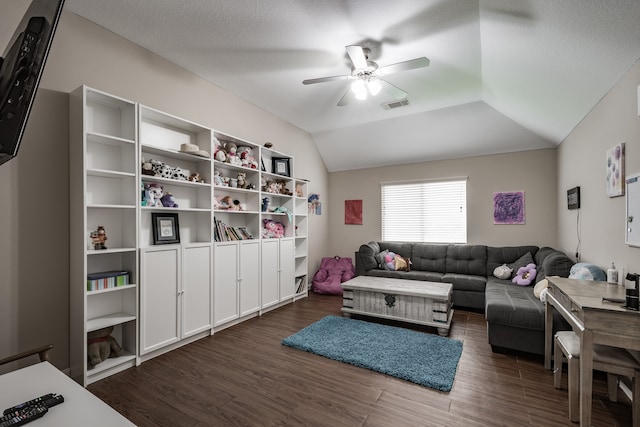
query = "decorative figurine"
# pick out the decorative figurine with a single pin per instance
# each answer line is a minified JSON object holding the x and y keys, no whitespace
{"x":98,"y":238}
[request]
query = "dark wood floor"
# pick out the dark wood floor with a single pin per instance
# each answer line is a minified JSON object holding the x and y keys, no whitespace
{"x":243,"y":376}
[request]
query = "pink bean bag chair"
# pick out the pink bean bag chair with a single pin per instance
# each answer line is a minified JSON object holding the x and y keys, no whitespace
{"x":332,"y":272}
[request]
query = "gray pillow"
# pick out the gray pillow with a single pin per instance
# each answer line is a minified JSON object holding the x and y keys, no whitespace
{"x":523,"y":261}
{"x":380,"y":259}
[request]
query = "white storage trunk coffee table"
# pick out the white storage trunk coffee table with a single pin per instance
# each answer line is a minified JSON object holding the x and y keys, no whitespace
{"x":414,"y":301}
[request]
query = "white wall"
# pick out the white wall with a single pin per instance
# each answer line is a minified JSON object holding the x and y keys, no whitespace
{"x":582,"y":162}
{"x":34,"y":231}
{"x":533,"y":172}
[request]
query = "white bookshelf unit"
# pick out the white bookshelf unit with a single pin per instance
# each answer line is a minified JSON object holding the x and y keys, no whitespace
{"x":198,"y":261}
{"x":103,"y":176}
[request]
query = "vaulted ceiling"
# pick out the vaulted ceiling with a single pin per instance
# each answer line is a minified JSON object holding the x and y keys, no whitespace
{"x":505,"y":75}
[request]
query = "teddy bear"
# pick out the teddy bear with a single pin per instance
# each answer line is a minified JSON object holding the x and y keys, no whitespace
{"x":232,"y":154}
{"x":195,"y":177}
{"x":168,"y":201}
{"x":154,"y":192}
{"x":242,"y":180}
{"x":247,"y":157}
{"x":101,"y":346}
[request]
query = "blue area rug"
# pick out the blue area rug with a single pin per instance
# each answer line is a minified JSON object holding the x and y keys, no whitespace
{"x":425,"y":359}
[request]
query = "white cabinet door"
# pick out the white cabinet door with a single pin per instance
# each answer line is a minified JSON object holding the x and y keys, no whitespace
{"x":269,"y":272}
{"x":225,"y":283}
{"x":159,"y":287}
{"x":287,"y":268}
{"x":197,"y":288}
{"x":249,"y":279}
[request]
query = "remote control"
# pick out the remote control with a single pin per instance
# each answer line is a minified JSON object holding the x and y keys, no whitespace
{"x":23,"y":416}
{"x":48,"y":400}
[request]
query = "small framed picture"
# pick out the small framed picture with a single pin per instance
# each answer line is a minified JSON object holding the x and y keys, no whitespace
{"x":281,"y":166}
{"x":165,"y":228}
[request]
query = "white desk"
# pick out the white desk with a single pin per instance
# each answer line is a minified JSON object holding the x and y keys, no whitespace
{"x":80,"y":407}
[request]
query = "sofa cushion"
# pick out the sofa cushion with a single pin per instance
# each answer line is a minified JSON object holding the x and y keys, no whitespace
{"x":428,"y":257}
{"x":465,"y":282}
{"x":514,"y":306}
{"x":427,"y":276}
{"x":467,"y":259}
{"x":506,"y":255}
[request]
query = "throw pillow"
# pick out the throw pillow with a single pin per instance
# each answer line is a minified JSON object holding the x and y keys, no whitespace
{"x":502,"y":272}
{"x":401,"y":263}
{"x":523,"y":261}
{"x":539,"y":287}
{"x":525,"y":275}
{"x":585,"y":271}
{"x":380,"y":258}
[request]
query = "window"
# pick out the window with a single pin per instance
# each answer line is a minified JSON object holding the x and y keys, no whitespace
{"x":425,"y":211}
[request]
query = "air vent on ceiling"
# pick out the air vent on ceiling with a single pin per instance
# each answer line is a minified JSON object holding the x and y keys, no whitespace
{"x":395,"y":104}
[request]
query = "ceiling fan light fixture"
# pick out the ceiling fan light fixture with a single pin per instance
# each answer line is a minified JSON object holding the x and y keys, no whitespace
{"x":374,"y":86}
{"x":359,"y":88}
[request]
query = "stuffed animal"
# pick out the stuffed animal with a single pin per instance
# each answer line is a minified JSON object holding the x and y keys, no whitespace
{"x":101,"y":346}
{"x":503,"y":271}
{"x":155,"y":192}
{"x":525,"y":275}
{"x":98,"y":237}
{"x":299,"y":190}
{"x":242,"y":180}
{"x":247,"y":157}
{"x":195,"y":177}
{"x":147,"y":167}
{"x":168,"y":201}
{"x":232,"y":154}
{"x":272,"y":229}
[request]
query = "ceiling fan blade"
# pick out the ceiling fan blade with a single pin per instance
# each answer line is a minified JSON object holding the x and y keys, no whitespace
{"x":411,"y":64}
{"x":391,"y":90}
{"x":346,"y":98}
{"x":357,"y":57}
{"x":326,"y":79}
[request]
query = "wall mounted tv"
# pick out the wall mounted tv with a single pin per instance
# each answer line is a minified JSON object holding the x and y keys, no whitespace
{"x":21,"y":67}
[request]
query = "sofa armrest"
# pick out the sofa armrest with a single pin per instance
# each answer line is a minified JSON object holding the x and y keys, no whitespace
{"x":554,"y":263}
{"x":365,"y":258}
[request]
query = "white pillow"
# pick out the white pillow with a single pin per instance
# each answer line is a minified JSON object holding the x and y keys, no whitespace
{"x":503,"y":272}
{"x":539,"y":287}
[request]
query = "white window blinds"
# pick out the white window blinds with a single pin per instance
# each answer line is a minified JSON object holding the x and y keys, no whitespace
{"x":427,"y":211}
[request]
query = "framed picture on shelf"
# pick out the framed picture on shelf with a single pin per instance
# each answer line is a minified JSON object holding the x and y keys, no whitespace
{"x":281,"y":166}
{"x":165,"y":228}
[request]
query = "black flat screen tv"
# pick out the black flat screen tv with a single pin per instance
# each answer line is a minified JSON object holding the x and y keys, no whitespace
{"x":21,"y":67}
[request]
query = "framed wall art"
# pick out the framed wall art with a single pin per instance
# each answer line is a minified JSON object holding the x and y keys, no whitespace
{"x":508,"y":207}
{"x":166,"y":229}
{"x":615,"y":171}
{"x":281,"y":166}
{"x":353,"y":212}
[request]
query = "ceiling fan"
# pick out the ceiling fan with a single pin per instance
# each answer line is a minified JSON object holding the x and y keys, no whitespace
{"x":366,"y":76}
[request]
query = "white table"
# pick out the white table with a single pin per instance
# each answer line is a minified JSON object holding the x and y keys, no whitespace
{"x":414,"y":301}
{"x":80,"y":407}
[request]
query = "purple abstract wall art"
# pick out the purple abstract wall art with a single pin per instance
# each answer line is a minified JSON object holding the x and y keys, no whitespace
{"x":508,"y":207}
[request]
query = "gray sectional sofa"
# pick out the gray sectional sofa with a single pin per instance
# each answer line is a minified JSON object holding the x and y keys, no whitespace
{"x":514,"y":315}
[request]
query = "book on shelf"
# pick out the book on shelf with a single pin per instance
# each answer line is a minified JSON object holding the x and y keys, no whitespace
{"x":225,"y":233}
{"x":300,"y":283}
{"x":107,"y":280}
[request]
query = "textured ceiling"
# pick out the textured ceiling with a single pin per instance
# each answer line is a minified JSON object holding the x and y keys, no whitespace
{"x":505,"y":75}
